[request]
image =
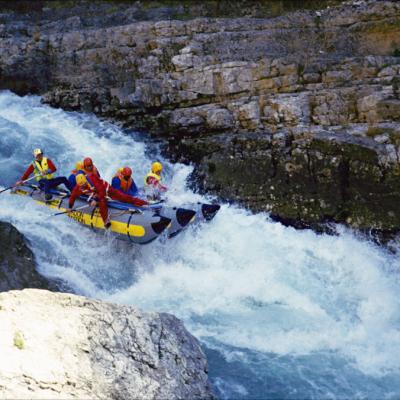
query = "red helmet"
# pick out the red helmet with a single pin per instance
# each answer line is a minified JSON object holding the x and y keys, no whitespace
{"x":87,"y":162}
{"x":126,"y":171}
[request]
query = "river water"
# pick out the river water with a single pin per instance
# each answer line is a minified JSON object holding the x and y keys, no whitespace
{"x":280,"y":313}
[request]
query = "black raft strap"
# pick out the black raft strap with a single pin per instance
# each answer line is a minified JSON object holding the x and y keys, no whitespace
{"x":127,"y":227}
{"x":91,"y":217}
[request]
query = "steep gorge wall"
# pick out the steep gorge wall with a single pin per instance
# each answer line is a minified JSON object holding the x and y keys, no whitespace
{"x":297,"y":114}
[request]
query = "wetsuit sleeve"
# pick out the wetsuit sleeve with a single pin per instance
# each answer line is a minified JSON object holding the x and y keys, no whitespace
{"x":26,"y":174}
{"x":116,"y":183}
{"x":76,"y":192}
{"x":99,"y":185}
{"x":140,"y":202}
{"x":52,"y":167}
{"x":125,"y":198}
{"x":72,"y":180}
{"x":133,"y":190}
{"x":154,"y":182}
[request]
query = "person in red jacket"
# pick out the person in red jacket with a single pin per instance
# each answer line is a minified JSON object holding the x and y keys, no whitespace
{"x":98,"y":190}
{"x":89,"y":167}
{"x":43,"y":168}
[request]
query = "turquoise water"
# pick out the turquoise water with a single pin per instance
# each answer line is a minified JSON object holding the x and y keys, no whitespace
{"x":280,"y":313}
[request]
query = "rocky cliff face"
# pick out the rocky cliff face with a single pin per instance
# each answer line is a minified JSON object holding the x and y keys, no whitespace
{"x":94,"y":350}
{"x":297,"y":114}
{"x":17,"y":263}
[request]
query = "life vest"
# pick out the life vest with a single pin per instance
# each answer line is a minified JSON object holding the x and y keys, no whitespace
{"x":152,"y":175}
{"x":94,"y":171}
{"x":78,"y":168}
{"x":89,"y":189}
{"x":125,"y":184}
{"x":40,"y":168}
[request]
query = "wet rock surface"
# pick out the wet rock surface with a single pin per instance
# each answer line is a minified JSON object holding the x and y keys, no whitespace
{"x":304,"y":107}
{"x":308,"y":178}
{"x":17,"y":263}
{"x":94,"y":350}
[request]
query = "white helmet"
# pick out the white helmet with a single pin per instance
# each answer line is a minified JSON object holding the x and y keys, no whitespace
{"x":36,"y":152}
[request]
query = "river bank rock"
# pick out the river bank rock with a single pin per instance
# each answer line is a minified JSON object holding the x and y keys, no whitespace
{"x":94,"y":350}
{"x":201,"y":83}
{"x":308,"y":178}
{"x":17,"y":263}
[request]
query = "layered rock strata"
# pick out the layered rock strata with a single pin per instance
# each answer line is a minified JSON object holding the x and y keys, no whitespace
{"x":308,"y":103}
{"x":94,"y":350}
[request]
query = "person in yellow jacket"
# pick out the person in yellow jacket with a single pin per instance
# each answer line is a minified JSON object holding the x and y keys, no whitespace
{"x":43,"y":168}
{"x":152,"y":182}
{"x":77,"y":170}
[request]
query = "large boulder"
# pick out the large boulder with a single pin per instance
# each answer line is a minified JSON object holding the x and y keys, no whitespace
{"x":17,"y":263}
{"x":61,"y":346}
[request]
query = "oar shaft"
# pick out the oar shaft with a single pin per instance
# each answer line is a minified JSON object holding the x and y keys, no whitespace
{"x":68,"y":211}
{"x":4,"y":190}
{"x":12,"y":187}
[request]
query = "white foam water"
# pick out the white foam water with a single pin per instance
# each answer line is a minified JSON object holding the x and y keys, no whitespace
{"x":281,"y":313}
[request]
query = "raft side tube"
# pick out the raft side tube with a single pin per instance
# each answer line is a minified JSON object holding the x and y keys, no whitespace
{"x":138,"y":226}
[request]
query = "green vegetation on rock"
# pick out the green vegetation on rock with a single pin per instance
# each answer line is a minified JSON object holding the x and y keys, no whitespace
{"x":19,"y":341}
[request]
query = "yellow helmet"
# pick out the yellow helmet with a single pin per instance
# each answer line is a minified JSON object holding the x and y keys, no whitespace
{"x":36,"y":152}
{"x":156,"y":167}
{"x":81,"y":180}
{"x":79,"y":165}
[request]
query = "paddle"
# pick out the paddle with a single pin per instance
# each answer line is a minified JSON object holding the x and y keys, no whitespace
{"x":68,"y":211}
{"x":12,"y":187}
{"x":155,"y":204}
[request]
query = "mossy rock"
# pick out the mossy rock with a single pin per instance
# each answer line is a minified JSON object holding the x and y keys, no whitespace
{"x":18,"y":340}
{"x":309,"y":182}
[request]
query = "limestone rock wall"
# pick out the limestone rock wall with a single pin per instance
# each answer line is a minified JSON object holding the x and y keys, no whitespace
{"x":211,"y":74}
{"x":198,"y":80}
{"x":61,"y":346}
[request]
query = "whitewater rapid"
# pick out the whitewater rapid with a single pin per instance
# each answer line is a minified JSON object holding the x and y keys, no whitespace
{"x":280,"y":313}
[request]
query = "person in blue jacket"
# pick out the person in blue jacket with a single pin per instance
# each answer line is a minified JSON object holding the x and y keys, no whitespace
{"x":124,"y":182}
